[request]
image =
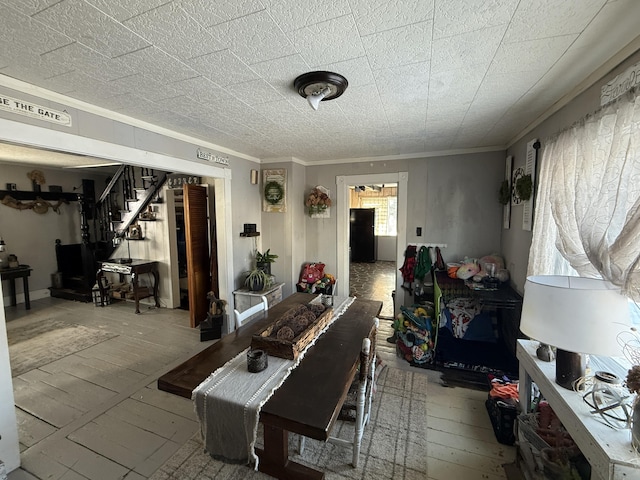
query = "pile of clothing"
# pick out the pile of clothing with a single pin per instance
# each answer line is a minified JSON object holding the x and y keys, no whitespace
{"x":415,"y":333}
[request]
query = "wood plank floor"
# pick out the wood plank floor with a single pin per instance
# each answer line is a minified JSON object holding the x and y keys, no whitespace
{"x":460,"y":441}
{"x":97,"y":414}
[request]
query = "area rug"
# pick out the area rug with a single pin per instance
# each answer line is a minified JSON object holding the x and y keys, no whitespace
{"x":44,"y":342}
{"x":394,"y":442}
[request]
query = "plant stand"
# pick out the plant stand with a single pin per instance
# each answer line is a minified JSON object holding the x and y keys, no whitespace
{"x":211,"y":328}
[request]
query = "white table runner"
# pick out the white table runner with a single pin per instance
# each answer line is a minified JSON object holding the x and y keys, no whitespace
{"x":228,"y":402}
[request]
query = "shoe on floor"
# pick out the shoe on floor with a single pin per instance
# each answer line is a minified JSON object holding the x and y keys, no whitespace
{"x":392,"y":339}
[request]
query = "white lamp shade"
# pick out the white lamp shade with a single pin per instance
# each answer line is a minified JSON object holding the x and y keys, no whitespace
{"x":581,"y":315}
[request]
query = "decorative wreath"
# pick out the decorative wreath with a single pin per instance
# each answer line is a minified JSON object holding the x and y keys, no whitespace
{"x":524,"y":187}
{"x":273,"y":192}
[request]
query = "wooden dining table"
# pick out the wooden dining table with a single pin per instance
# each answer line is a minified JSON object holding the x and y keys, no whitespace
{"x":308,"y":402}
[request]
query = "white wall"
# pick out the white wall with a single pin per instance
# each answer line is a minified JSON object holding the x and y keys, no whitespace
{"x":9,"y":447}
{"x":157,"y":246}
{"x":385,"y":248}
{"x":282,"y":232}
{"x":31,"y":236}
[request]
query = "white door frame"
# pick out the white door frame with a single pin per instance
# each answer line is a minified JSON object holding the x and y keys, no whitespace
{"x":38,"y":137}
{"x":342,"y":228}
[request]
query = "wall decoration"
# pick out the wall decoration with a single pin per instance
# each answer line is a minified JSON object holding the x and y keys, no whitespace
{"x":211,"y":157}
{"x":506,"y":206}
{"x":135,"y":232}
{"x":254,"y":177}
{"x":274,"y":193}
{"x":178,"y":180}
{"x":37,"y":179}
{"x":515,"y":197}
{"x":527,"y":184}
{"x":620,"y":84}
{"x":33,"y":110}
{"x":38,"y":205}
{"x":524,"y":187}
{"x":318,"y":203}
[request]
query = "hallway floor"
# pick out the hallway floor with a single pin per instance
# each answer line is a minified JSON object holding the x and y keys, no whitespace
{"x":374,"y":281}
{"x":97,"y":414}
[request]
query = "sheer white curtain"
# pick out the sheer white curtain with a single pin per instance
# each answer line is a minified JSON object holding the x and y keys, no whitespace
{"x":587,"y":217}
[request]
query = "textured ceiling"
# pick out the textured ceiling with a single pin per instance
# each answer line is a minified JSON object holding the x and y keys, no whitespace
{"x":424,"y":75}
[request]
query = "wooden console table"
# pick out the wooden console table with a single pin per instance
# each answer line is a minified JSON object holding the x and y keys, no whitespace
{"x":134,"y":268}
{"x":608,"y":451}
{"x":22,"y":271}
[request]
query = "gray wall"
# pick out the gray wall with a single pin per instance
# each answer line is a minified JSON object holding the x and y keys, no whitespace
{"x":282,"y":232}
{"x":515,"y":241}
{"x":453,"y":198}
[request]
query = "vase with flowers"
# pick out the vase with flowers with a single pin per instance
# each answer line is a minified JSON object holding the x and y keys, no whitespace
{"x":318,"y":201}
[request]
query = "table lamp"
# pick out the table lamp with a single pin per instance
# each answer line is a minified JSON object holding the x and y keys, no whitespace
{"x":576,"y":315}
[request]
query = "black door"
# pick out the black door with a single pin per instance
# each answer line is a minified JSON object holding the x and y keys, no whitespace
{"x":362,"y":240}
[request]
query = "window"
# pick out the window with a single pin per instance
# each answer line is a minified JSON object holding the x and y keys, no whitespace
{"x":588,"y":199}
{"x":386,"y":221}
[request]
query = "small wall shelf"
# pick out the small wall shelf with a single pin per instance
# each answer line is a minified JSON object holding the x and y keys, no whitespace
{"x":29,"y":195}
{"x":249,"y":234}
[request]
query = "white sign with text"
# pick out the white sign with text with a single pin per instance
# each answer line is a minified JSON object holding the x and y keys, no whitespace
{"x":21,"y":107}
{"x":621,"y":83}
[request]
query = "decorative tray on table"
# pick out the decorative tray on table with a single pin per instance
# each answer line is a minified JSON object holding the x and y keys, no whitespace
{"x":293,"y":331}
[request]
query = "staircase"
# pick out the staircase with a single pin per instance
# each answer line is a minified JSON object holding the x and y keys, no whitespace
{"x":123,"y":201}
{"x":125,"y":198}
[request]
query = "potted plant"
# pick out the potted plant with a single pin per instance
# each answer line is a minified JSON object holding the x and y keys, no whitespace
{"x":257,"y":280}
{"x":264,"y":261}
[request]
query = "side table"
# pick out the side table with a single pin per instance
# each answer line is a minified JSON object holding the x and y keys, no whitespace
{"x":134,"y":268}
{"x":608,"y":451}
{"x":245,"y":298}
{"x":21,"y":271}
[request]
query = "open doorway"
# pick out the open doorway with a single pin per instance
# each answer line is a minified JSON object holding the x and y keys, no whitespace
{"x":373,"y":228}
{"x":219,"y":177}
{"x":400,"y":180}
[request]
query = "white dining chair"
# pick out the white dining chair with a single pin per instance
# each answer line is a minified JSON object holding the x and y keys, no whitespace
{"x":365,"y":388}
{"x":241,"y":317}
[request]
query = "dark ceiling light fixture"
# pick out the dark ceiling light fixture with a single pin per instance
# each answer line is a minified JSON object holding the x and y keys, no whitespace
{"x":320,"y":86}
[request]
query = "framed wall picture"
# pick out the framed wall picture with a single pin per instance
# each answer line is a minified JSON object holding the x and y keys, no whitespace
{"x":134,"y":232}
{"x":274,"y":190}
